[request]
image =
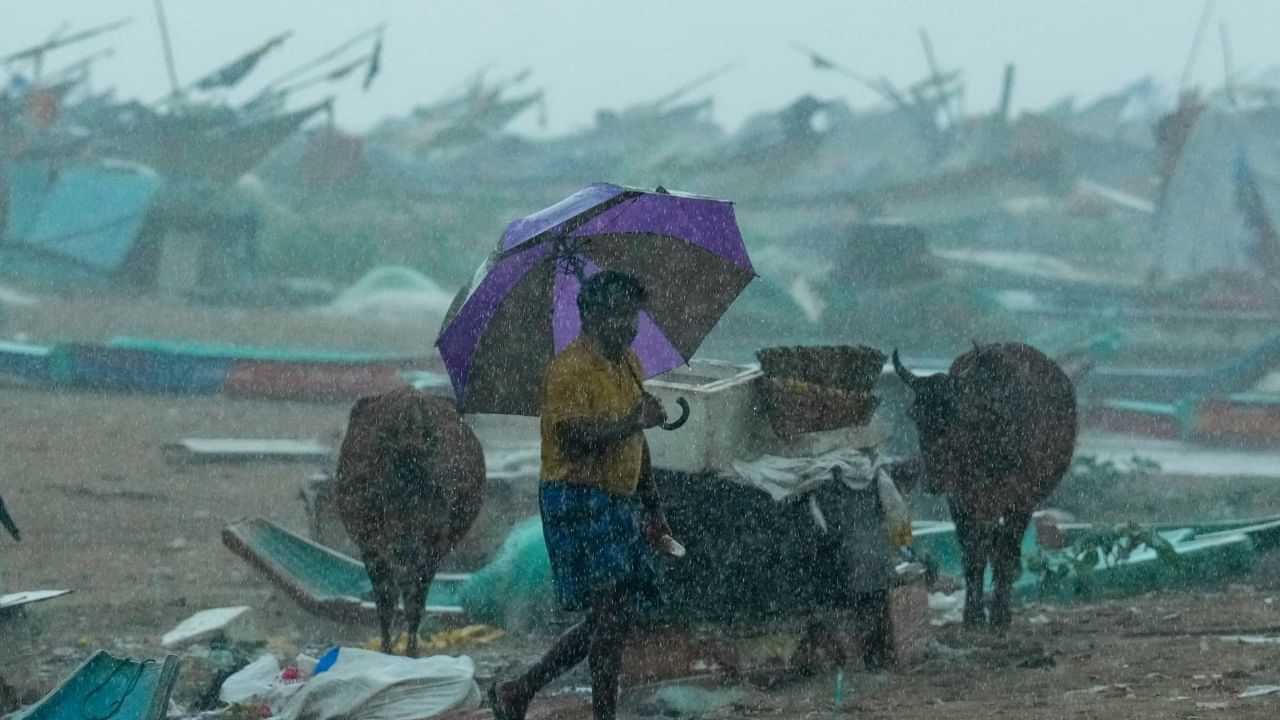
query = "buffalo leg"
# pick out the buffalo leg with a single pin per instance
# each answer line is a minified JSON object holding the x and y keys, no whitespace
{"x":384,"y":595}
{"x":415,"y":601}
{"x":1006,"y":561}
{"x":975,"y":547}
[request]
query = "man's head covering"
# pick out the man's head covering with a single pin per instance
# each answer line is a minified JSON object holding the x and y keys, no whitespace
{"x":609,"y":290}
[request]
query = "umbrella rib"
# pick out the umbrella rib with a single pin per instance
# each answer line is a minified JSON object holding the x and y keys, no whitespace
{"x":572,"y":224}
{"x":735,"y":269}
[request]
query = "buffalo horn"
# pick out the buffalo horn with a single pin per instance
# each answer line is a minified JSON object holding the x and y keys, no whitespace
{"x":908,"y":378}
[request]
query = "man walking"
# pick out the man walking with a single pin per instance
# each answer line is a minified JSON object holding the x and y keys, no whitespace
{"x":600,"y":509}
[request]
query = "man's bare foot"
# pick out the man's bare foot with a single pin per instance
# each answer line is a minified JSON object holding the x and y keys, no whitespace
{"x":505,"y":703}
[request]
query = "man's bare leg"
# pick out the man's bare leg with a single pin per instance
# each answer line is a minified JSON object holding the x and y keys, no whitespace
{"x":612,"y":625}
{"x":511,"y":699}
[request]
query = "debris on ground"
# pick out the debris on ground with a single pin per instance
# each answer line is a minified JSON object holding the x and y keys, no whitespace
{"x":230,"y":624}
{"x":365,"y":684}
{"x":189,"y":451}
{"x":690,"y":700}
{"x":253,"y":682}
{"x":946,"y":608}
{"x":13,"y":602}
{"x":1259,"y":691}
{"x":107,"y":686}
{"x":445,"y":639}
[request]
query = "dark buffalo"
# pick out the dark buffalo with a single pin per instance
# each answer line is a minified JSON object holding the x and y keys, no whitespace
{"x":997,"y":432}
{"x":410,"y":483}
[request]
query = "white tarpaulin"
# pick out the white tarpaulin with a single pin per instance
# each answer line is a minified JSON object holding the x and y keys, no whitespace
{"x":392,"y":293}
{"x":1201,"y":223}
{"x":367,"y":685}
{"x":787,"y":477}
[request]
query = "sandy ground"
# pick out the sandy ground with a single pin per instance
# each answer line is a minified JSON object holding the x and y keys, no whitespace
{"x":138,"y":540}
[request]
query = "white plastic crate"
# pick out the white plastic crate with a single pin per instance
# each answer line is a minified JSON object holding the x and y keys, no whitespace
{"x":723,"y":423}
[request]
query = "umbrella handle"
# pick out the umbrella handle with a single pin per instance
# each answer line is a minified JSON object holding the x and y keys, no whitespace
{"x":684,"y":416}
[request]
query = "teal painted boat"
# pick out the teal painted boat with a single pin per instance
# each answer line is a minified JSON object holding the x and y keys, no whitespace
{"x":224,"y":351}
{"x":1208,"y":554}
{"x":324,"y":581}
{"x":105,"y":687}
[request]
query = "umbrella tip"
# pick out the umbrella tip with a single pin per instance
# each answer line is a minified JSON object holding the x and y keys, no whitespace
{"x":661,"y":190}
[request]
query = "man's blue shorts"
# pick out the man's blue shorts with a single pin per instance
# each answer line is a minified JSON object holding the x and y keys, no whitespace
{"x":595,"y":539}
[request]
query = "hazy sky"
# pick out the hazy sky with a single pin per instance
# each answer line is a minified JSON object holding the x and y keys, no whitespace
{"x":591,"y":53}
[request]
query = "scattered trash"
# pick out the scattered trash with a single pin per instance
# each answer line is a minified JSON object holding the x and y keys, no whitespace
{"x":947,"y":608}
{"x":367,"y":684}
{"x":327,"y":660}
{"x":1114,"y":690}
{"x":234,"y":624}
{"x":105,"y":686}
{"x":1253,"y":639}
{"x":255,"y":681}
{"x":215,"y":450}
{"x":1259,"y":691}
{"x":445,"y":639}
{"x":692,"y":701}
{"x":18,"y":599}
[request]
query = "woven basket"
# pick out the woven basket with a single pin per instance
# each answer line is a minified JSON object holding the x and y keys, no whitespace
{"x":795,"y":407}
{"x":844,"y":367}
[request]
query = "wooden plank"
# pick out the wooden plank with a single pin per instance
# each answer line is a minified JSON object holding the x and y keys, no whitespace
{"x":18,"y":599}
{"x":215,"y":450}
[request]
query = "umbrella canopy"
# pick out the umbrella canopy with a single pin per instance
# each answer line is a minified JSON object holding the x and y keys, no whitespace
{"x":521,"y":307}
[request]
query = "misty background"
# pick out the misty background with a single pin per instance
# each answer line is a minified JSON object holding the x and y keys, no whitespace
{"x":590,"y":55}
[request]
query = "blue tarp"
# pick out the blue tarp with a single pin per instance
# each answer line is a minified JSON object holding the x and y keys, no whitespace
{"x":88,"y":213}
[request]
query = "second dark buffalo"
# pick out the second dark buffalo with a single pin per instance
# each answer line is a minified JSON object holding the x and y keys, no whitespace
{"x":410,"y":483}
{"x":997,"y":432}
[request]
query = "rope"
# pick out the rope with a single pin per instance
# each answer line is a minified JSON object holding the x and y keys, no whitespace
{"x":115,"y":707}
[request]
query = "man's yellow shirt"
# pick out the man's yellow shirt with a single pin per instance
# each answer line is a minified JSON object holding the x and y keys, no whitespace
{"x":582,"y":383}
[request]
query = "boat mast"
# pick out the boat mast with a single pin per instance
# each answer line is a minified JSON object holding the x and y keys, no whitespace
{"x":168,"y":47}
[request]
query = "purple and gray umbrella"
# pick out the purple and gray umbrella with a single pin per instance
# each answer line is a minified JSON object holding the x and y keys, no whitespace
{"x":521,"y":307}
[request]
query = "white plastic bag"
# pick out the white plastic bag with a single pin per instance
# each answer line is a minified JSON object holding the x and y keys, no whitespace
{"x":366,"y":685}
{"x":254,"y":681}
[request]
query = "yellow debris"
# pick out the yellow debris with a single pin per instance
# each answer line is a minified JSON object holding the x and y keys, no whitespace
{"x":445,"y":639}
